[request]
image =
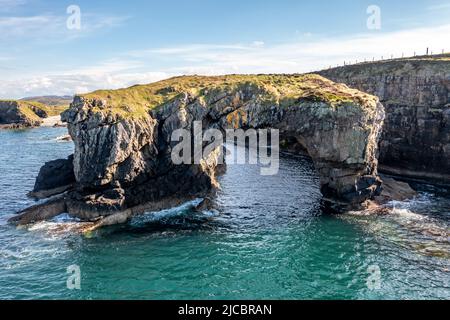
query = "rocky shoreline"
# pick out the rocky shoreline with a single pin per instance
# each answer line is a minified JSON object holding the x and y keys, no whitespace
{"x":18,"y":114}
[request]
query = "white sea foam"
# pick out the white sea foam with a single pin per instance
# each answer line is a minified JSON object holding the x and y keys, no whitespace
{"x":167,"y":213}
{"x":407,"y":214}
{"x":60,"y":226}
{"x":64,"y":138}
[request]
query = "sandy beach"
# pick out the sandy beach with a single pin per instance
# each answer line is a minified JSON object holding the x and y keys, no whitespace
{"x":52,"y":121}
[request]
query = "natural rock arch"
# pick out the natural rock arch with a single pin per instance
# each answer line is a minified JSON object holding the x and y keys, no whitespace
{"x":122,"y":162}
{"x":339,"y":141}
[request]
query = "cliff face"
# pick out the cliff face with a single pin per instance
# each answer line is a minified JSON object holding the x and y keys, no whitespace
{"x":123,"y":141}
{"x":416,"y":95}
{"x":18,"y":114}
{"x":25,"y":113}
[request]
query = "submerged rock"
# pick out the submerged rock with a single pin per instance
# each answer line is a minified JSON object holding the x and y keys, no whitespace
{"x":122,"y":162}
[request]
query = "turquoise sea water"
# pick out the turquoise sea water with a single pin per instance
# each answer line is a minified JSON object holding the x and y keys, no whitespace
{"x":268,"y":239}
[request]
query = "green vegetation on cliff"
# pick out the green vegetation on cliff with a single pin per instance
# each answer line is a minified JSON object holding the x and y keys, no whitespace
{"x":29,"y":110}
{"x":277,"y":89}
{"x":12,"y":111}
{"x":435,"y":65}
{"x":35,"y":109}
{"x":53,"y":110}
{"x":26,"y":113}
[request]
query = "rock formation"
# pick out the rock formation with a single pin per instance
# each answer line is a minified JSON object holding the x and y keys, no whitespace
{"x":416,"y":95}
{"x":25,"y":114}
{"x":122,"y":163}
{"x":17,"y":114}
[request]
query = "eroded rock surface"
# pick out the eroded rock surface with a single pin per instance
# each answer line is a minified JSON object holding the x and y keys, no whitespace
{"x":416,"y":96}
{"x":19,"y":114}
{"x":122,"y":162}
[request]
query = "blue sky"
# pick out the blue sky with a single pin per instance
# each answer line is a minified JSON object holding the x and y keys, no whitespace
{"x":121,"y":43}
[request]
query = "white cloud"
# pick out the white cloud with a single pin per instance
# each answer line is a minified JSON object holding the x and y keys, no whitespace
{"x":303,"y":56}
{"x":8,"y":5}
{"x":186,"y":49}
{"x":11,"y":3}
{"x":211,"y":59}
{"x":18,"y":26}
{"x":111,"y":74}
{"x":52,"y":27}
{"x":69,"y":84}
{"x":303,"y":34}
{"x":258,"y":44}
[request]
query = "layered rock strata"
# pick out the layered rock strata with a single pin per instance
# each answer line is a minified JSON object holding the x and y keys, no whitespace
{"x":122,"y":163}
{"x":19,"y":114}
{"x":416,"y":95}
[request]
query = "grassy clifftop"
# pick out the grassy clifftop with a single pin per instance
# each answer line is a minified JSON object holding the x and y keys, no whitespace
{"x":435,"y":65}
{"x":39,"y":109}
{"x":12,"y":111}
{"x":417,"y":81}
{"x":58,"y":103}
{"x":277,"y":89}
{"x":51,"y":110}
{"x":27,"y":113}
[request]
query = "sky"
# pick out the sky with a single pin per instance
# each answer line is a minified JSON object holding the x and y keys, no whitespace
{"x":122,"y":43}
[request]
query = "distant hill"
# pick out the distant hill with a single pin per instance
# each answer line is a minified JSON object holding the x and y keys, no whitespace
{"x":51,"y":100}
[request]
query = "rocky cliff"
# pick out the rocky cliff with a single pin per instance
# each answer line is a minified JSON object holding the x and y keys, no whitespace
{"x":416,"y":96}
{"x":122,"y":162}
{"x":16,"y":114}
{"x":23,"y":114}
